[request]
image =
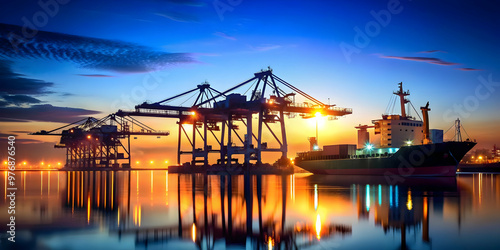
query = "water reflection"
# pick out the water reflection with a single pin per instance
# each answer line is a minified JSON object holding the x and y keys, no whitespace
{"x":149,"y":209}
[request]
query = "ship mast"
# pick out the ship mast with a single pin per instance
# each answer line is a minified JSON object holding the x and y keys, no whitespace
{"x":402,"y":99}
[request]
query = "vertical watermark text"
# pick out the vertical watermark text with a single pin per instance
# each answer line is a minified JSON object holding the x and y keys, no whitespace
{"x":11,"y":188}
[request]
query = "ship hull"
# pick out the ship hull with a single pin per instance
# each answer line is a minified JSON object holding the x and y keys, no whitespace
{"x":439,"y":159}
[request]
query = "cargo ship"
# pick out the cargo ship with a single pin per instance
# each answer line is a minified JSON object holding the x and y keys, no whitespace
{"x":407,"y":147}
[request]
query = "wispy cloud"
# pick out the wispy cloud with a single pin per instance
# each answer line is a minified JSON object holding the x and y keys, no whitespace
{"x":431,"y":60}
{"x":18,"y":100}
{"x":44,"y":113}
{"x":87,"y":52}
{"x":18,"y":104}
{"x":194,"y":3}
{"x":265,"y":47}
{"x":14,"y":83}
{"x":469,"y":69}
{"x":433,"y":51}
{"x":18,"y":140}
{"x":95,"y":75}
{"x":224,"y":35}
{"x":178,"y":16}
{"x":21,"y":131}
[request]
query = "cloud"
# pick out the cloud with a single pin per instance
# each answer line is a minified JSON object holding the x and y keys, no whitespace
{"x":44,"y":113}
{"x":19,"y":100}
{"x":94,"y":75}
{"x":433,"y":51}
{"x":431,"y":60}
{"x":21,"y":131}
{"x":13,"y":83}
{"x":469,"y":69}
{"x":194,"y":3}
{"x":86,"y":52}
{"x":224,"y":35}
{"x":18,"y":140}
{"x":178,"y":17}
{"x":266,"y":47}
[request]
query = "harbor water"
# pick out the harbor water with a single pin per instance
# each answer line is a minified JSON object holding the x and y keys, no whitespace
{"x":152,"y":209}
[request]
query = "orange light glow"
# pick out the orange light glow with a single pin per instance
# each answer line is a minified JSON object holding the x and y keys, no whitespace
{"x":135,"y":215}
{"x":318,"y":114}
{"x":24,"y":163}
{"x":409,"y":204}
{"x":137,"y":162}
{"x":88,"y":208}
{"x":166,"y":162}
{"x":193,"y":113}
{"x":193,"y":232}
{"x":270,"y":243}
{"x":58,"y":164}
{"x":5,"y":163}
{"x":140,"y":215}
{"x":42,"y":163}
{"x":318,"y":227}
{"x":151,"y":162}
{"x":88,"y":136}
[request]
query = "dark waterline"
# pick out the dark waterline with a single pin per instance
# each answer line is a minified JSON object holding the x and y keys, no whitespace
{"x":153,"y":209}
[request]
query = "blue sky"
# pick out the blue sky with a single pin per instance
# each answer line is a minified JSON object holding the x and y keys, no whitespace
{"x":86,"y":55}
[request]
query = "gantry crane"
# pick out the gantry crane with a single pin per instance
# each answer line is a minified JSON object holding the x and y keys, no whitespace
{"x":92,"y":142}
{"x":221,"y":113}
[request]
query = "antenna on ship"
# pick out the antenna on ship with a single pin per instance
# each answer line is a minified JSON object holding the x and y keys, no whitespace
{"x":402,"y":98}
{"x":458,"y":134}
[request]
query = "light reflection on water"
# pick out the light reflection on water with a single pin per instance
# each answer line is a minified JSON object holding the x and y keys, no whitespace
{"x":155,"y":209}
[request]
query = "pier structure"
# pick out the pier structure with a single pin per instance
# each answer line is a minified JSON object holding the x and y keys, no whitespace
{"x":235,"y":121}
{"x":105,"y":142}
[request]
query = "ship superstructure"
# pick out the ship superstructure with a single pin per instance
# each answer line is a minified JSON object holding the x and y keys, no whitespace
{"x":405,"y":143}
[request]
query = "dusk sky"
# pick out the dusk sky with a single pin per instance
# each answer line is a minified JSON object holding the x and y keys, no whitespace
{"x":70,"y":59}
